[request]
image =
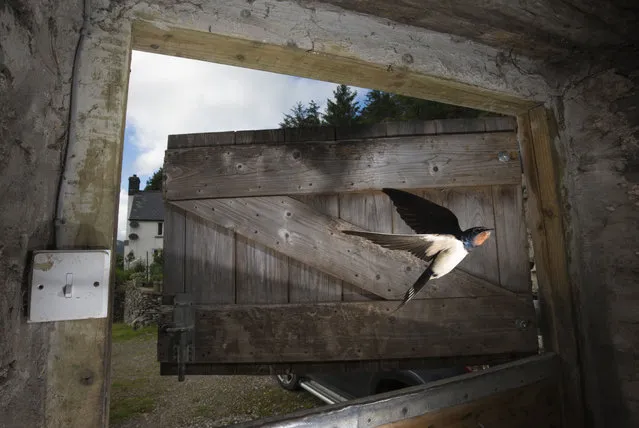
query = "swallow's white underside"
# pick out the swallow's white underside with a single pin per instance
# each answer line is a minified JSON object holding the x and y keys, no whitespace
{"x":448,"y":249}
{"x":451,"y":252}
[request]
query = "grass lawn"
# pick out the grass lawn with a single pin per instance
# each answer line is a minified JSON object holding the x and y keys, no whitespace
{"x":122,"y":332}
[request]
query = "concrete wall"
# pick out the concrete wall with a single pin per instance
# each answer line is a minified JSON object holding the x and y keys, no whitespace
{"x":37,"y":43}
{"x":598,"y":120}
{"x":594,"y":104}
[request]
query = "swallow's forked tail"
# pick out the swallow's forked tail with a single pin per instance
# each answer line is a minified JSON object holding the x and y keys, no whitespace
{"x":414,"y":289}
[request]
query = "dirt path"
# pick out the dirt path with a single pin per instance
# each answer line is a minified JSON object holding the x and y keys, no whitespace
{"x":141,"y":398}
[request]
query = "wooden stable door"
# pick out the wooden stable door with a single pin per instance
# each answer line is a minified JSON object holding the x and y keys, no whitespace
{"x":259,"y":278}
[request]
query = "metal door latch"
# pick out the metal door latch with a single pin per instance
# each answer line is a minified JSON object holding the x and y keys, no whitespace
{"x":182,"y":330}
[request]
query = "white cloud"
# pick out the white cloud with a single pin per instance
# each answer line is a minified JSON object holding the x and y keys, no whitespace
{"x":170,"y":95}
{"x":122,"y":211}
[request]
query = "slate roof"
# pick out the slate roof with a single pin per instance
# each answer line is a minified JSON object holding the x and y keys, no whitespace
{"x":148,"y":205}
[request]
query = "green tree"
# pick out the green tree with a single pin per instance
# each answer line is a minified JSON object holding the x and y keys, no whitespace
{"x":119,"y":261}
{"x":155,"y":182}
{"x":415,"y":108}
{"x":158,"y":257}
{"x":157,"y":267}
{"x":138,"y":266}
{"x":380,"y":107}
{"x":342,"y":110}
{"x":302,"y":117}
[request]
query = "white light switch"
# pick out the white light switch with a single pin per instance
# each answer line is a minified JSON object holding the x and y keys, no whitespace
{"x":69,"y":285}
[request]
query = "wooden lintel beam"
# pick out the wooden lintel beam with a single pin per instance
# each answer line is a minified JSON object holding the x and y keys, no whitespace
{"x":207,"y":46}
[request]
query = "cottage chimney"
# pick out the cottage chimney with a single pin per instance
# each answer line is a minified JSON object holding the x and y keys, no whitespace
{"x":134,"y":184}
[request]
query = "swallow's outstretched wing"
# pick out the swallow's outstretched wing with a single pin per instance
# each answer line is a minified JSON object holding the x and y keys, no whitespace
{"x":424,"y":246}
{"x":422,"y":215}
{"x":437,"y":234}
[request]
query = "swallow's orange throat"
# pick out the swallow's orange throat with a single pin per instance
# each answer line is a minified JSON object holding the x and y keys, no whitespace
{"x":481,"y":238}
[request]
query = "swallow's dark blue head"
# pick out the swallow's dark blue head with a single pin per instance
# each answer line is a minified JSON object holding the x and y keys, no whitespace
{"x":475,"y":236}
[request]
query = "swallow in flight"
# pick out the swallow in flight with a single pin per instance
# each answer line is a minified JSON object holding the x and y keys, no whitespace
{"x":438,"y":238}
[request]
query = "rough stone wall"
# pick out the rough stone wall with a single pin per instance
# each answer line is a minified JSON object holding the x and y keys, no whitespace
{"x":37,"y":42}
{"x":598,"y":119}
{"x":141,"y":306}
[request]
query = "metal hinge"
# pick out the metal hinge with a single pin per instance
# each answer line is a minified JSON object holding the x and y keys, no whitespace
{"x":182,"y":329}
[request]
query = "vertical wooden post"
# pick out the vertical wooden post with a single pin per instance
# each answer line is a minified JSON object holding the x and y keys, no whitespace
{"x":556,"y":294}
{"x":79,"y":358}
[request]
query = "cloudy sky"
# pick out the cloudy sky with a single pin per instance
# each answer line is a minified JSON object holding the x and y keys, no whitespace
{"x":169,"y":95}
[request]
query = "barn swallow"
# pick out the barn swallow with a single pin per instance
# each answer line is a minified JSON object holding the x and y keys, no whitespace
{"x":438,"y":237}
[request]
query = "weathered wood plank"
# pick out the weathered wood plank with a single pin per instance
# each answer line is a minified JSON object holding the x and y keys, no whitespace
{"x":455,"y":126}
{"x":259,"y":136}
{"x":298,"y":231}
{"x":261,"y":273}
{"x":530,"y":406}
{"x":375,"y":130}
{"x":503,"y":123}
{"x":307,"y":284}
{"x":174,"y":247}
{"x":555,"y":288}
{"x":363,"y":330}
{"x":210,"y":262}
{"x":411,"y":127}
{"x":474,"y":207}
{"x":311,"y":133}
{"x":370,"y":211}
{"x":407,"y":162}
{"x":511,"y":239}
{"x":185,"y":141}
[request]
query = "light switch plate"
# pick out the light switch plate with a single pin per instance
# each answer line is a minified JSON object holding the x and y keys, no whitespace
{"x":69,"y":285}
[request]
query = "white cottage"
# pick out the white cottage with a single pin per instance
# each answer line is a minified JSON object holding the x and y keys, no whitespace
{"x":145,"y":223}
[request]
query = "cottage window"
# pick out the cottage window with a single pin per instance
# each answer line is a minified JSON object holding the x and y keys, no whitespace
{"x":160,"y":228}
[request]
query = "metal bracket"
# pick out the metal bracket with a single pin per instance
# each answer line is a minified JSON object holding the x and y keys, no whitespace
{"x":182,"y":329}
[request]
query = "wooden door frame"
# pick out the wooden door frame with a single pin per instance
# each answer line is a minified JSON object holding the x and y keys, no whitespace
{"x":540,"y":160}
{"x":104,"y":70}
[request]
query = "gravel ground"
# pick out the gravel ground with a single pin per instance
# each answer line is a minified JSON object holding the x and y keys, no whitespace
{"x":141,"y":398}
